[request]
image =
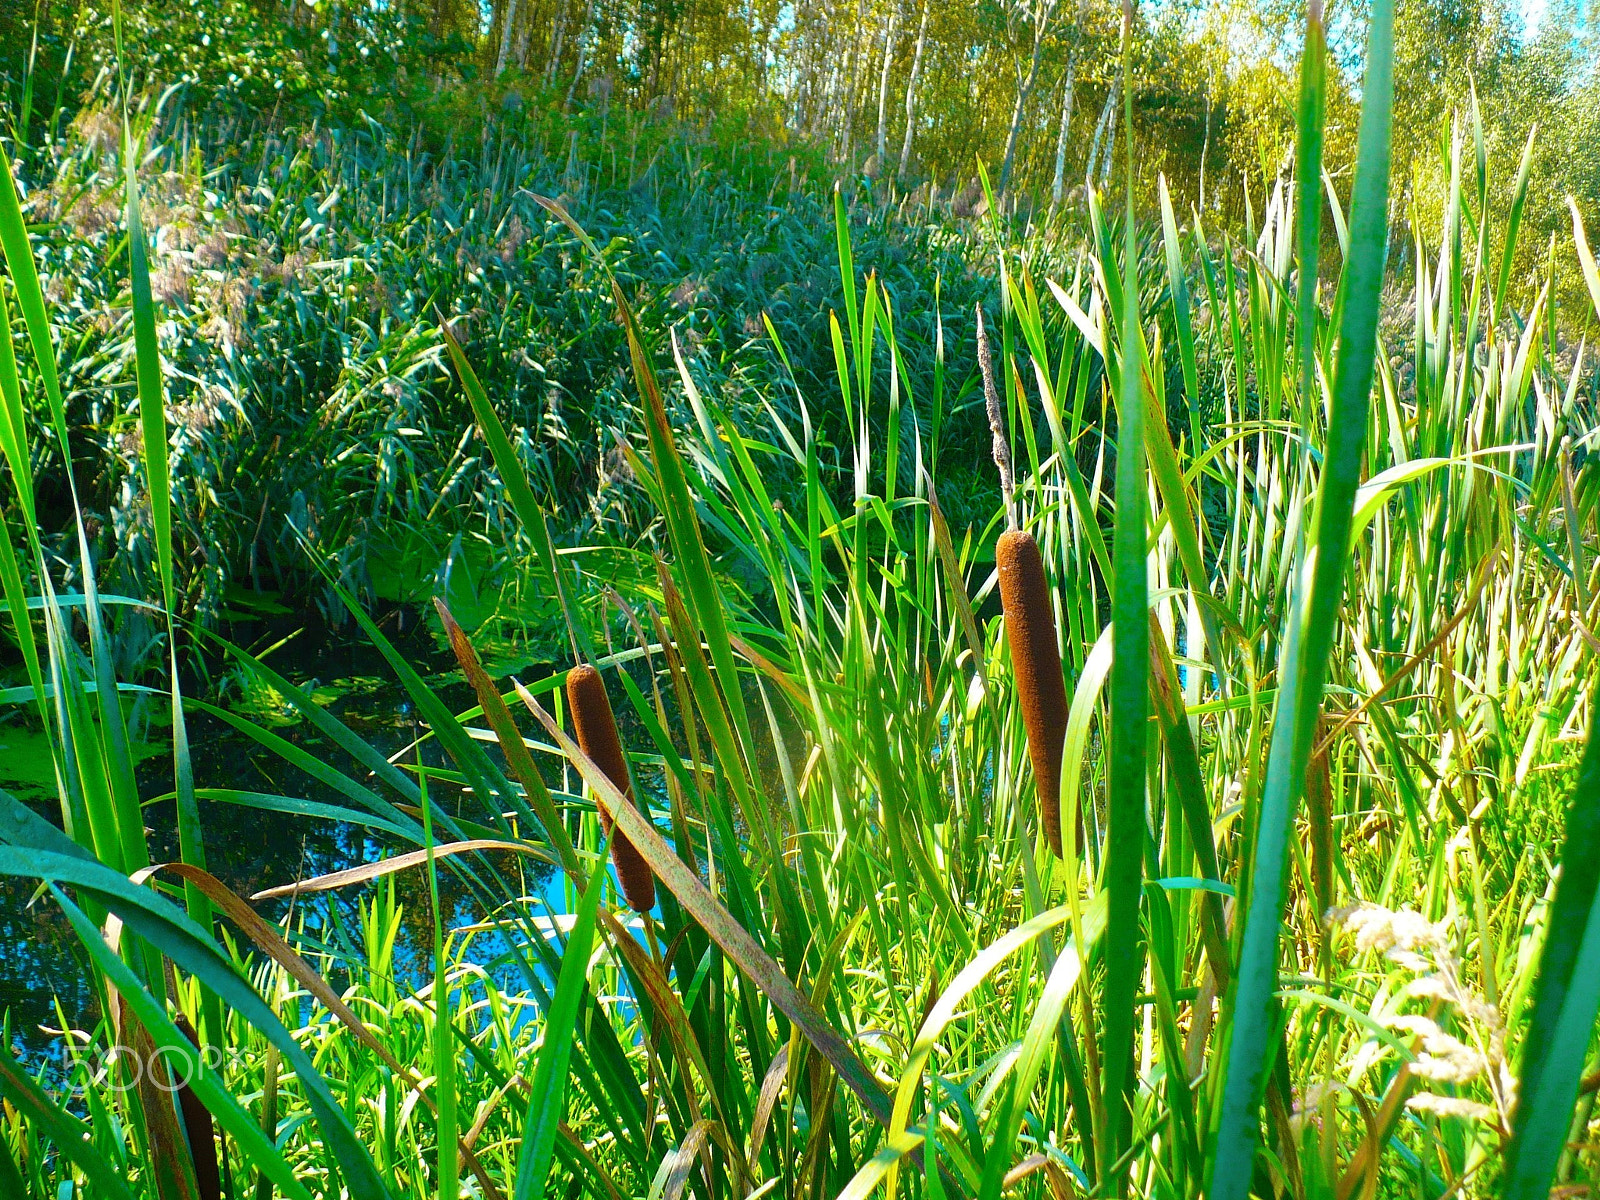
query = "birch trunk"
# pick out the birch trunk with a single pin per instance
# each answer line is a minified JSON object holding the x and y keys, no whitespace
{"x":857,"y":54}
{"x":1056,"y":186}
{"x":1025,"y":92}
{"x":883,"y":84}
{"x":506,"y":26}
{"x":583,"y":55}
{"x":911,"y":92}
{"x":554,"y":63}
{"x":1061,"y":138}
{"x":1099,"y":133}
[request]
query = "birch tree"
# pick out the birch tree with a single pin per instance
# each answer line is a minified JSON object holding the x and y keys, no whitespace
{"x":883,"y":83}
{"x":1061,"y":138}
{"x":1067,"y":88}
{"x":506,"y":24}
{"x":911,"y":92}
{"x":1038,"y":18}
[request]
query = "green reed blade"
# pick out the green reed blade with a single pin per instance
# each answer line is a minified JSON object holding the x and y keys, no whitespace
{"x":1566,"y":997}
{"x":1178,"y":283}
{"x":547,"y":1096}
{"x":17,"y":604}
{"x":168,"y":931}
{"x":1319,"y":588}
{"x":158,"y":482}
{"x":71,"y":1137}
{"x":1130,"y":673}
{"x":13,"y":422}
{"x":1310,"y":118}
{"x":30,"y":298}
{"x":147,"y":367}
{"x":703,"y":593}
{"x":444,"y":1061}
{"x":847,"y":270}
{"x":1514,"y":222}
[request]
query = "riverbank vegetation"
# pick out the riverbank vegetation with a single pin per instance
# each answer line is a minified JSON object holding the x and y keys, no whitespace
{"x":1288,"y":886}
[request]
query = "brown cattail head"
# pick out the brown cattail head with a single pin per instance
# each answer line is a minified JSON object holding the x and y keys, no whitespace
{"x":597,"y":736}
{"x":1036,"y":664}
{"x":197,"y":1126}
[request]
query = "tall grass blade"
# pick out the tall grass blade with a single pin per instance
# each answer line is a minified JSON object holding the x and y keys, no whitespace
{"x":1310,"y":117}
{"x":1566,"y":997}
{"x":547,"y":1099}
{"x":13,"y":421}
{"x":1318,"y":590}
{"x":147,"y":367}
{"x":69,"y":1135}
{"x":158,"y":482}
{"x":447,"y":1176}
{"x":30,"y":298}
{"x":1130,"y":671}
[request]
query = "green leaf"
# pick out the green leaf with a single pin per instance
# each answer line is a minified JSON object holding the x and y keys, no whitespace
{"x":147,"y":368}
{"x":1566,"y":997}
{"x":1130,"y":676}
{"x":68,"y":1134}
{"x":1318,"y":591}
{"x":30,"y":297}
{"x":547,"y":1103}
{"x":1309,"y":120}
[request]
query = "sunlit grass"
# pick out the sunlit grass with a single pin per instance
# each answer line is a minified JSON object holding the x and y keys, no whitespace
{"x":1326,"y":658}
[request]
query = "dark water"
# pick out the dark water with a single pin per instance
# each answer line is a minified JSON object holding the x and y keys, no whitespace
{"x":247,"y":848}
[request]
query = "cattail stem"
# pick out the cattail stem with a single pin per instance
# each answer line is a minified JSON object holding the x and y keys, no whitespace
{"x":198,"y":1128}
{"x":269,"y":1116}
{"x":596,"y":728}
{"x":997,"y":423}
{"x":1036,"y":666}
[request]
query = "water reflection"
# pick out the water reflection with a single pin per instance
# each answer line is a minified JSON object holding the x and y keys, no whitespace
{"x":44,"y":979}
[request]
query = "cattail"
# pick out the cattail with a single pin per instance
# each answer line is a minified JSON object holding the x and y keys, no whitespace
{"x":197,"y":1125}
{"x":597,"y":735}
{"x":1036,"y":664}
{"x":1030,"y":625}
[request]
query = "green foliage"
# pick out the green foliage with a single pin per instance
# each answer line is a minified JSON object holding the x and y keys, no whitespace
{"x":298,"y":282}
{"x":1323,"y":561}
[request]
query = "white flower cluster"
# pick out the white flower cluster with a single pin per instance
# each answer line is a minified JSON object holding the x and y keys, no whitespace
{"x":1443,"y":1058}
{"x":1415,"y":944}
{"x":1389,"y":933}
{"x":1450,"y":1106}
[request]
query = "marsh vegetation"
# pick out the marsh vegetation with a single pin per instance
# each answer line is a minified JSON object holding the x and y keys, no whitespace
{"x":565,"y":642}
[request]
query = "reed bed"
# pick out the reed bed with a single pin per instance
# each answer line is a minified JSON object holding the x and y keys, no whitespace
{"x":1325,"y":662}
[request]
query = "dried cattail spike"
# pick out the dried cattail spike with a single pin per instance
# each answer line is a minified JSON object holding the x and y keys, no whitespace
{"x":997,"y":422}
{"x":597,"y":735}
{"x":197,"y":1125}
{"x":1036,"y":664}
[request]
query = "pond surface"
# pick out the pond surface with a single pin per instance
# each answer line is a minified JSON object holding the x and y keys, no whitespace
{"x":247,"y":848}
